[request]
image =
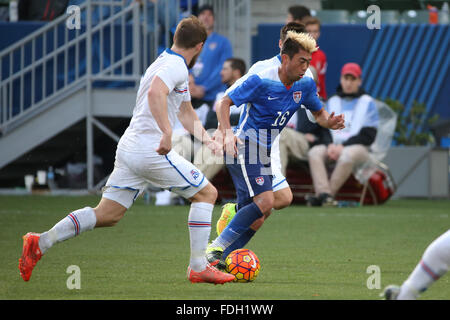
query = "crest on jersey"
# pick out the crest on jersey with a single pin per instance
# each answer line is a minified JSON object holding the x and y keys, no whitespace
{"x":297,"y":95}
{"x":260,"y":180}
{"x":195,"y":174}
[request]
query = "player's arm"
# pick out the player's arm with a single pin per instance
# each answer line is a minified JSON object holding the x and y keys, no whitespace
{"x":322,"y":117}
{"x":157,"y":101}
{"x":224,"y":134}
{"x":330,"y":121}
{"x":190,"y":121}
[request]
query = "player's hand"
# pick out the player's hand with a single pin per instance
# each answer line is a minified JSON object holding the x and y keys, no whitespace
{"x":336,"y":122}
{"x":230,"y":144}
{"x":218,"y":137}
{"x":165,"y":144}
{"x":215,"y":147}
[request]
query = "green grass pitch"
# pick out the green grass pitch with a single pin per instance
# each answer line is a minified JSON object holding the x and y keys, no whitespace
{"x":305,"y":253}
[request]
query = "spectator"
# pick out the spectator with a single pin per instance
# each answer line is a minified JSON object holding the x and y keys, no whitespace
{"x":206,"y":71}
{"x":319,"y":58}
{"x":350,"y":145}
{"x":232,"y":70}
{"x":296,"y":142}
{"x":4,"y":10}
{"x":206,"y":161}
{"x":297,"y":14}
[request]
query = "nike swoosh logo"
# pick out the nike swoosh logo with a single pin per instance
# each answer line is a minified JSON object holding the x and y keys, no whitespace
{"x":272,"y":98}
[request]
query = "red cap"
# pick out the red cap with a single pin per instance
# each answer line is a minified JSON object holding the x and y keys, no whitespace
{"x":351,"y":68}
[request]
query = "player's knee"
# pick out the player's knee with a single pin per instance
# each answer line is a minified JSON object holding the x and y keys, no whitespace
{"x":283,"y":200}
{"x":108,"y":213}
{"x":208,"y":194}
{"x":265,"y":202}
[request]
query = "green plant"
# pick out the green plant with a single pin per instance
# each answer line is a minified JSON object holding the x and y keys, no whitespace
{"x":413,"y":128}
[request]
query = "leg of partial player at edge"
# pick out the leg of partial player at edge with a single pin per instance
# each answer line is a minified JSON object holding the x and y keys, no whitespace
{"x":434,"y":264}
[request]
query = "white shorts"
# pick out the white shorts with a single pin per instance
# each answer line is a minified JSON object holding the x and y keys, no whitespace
{"x":279,"y":180}
{"x":133,"y":171}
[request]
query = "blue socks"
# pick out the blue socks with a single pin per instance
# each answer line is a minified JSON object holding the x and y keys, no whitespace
{"x":239,"y":227}
{"x":239,"y":243}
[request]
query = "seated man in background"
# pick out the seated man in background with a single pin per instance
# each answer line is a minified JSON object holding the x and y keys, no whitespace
{"x":301,"y":134}
{"x":350,"y":146}
{"x":211,"y":164}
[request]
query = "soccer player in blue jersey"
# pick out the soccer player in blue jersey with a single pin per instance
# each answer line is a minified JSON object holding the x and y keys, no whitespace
{"x":271,"y":98}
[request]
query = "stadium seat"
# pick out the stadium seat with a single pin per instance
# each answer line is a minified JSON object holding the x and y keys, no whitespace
{"x":332,"y":16}
{"x":359,"y":17}
{"x":415,"y":16}
{"x":387,"y":16}
{"x":390,"y":16}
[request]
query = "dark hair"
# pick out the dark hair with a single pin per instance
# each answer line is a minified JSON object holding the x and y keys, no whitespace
{"x":204,"y":8}
{"x":291,"y":26}
{"x":237,"y":64}
{"x":291,"y":47}
{"x":190,"y":32}
{"x":299,"y":12}
{"x":311,"y":20}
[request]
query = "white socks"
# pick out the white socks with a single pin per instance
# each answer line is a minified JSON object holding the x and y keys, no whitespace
{"x":76,"y":222}
{"x":199,"y":223}
{"x":434,"y":264}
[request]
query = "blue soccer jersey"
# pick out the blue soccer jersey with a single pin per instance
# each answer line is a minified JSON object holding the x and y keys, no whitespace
{"x":270,"y":105}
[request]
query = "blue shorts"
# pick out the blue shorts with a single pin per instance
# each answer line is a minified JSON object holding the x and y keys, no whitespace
{"x":250,"y":177}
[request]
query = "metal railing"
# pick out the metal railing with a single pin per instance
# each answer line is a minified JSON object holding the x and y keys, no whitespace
{"x":233,"y":20}
{"x":55,"y":60}
{"x":113,"y":44}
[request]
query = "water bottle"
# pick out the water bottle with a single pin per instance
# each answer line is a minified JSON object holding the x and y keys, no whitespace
{"x":51,"y":178}
{"x":444,"y":14}
{"x":13,"y":11}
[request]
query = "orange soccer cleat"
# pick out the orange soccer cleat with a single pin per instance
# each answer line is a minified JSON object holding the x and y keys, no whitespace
{"x":31,"y":254}
{"x":209,"y":275}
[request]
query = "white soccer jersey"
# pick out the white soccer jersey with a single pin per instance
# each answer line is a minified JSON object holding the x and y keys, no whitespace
{"x":143,"y":134}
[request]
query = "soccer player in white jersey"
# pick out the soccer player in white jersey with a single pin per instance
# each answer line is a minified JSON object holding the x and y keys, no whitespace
{"x":144,"y":155}
{"x":434,"y":264}
{"x":282,"y":192}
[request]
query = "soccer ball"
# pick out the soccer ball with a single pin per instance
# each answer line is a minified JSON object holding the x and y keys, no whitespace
{"x":244,"y":264}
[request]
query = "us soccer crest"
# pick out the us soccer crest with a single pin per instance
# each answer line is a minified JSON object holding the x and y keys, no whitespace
{"x":195,"y":174}
{"x":297,"y":95}
{"x":260,"y":180}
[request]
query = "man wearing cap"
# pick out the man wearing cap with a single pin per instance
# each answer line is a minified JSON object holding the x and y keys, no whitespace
{"x":350,"y":145}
